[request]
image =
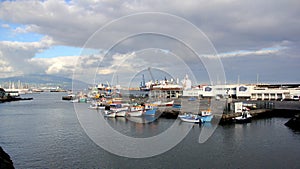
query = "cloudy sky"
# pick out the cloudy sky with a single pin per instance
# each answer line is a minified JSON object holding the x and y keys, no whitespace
{"x":111,"y":40}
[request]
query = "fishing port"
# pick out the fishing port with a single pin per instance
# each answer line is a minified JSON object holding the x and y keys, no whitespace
{"x":169,"y":98}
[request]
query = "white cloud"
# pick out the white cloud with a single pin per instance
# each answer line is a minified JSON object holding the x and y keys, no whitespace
{"x":15,"y":54}
{"x":117,"y":62}
{"x":26,"y":29}
{"x":264,"y":51}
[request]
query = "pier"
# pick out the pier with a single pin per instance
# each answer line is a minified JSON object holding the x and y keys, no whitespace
{"x":263,"y":109}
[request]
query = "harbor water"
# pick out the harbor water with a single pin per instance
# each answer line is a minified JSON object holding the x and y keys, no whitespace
{"x":45,"y":133}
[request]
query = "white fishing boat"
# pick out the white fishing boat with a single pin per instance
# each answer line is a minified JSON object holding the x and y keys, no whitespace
{"x":97,"y":105}
{"x":184,"y":115}
{"x":244,"y":118}
{"x":93,"y":106}
{"x":121,"y":113}
{"x":109,"y":113}
{"x":118,"y":107}
{"x":136,"y":113}
{"x":191,"y":118}
{"x":75,"y":101}
{"x":101,"y":107}
{"x":136,"y":108}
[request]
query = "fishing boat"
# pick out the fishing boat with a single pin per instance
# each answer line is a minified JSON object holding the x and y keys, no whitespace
{"x":135,"y":111}
{"x":82,"y":100}
{"x":206,"y":116}
{"x":69,"y":97}
{"x":150,"y":112}
{"x":96,"y":105}
{"x":121,"y":113}
{"x":191,"y":118}
{"x":161,"y":104}
{"x":170,"y":103}
{"x":75,"y":101}
{"x":109,"y":113}
{"x":244,"y":118}
{"x":118,"y":107}
{"x":101,"y":107}
{"x":183,"y":115}
{"x":93,"y":106}
{"x":150,"y":109}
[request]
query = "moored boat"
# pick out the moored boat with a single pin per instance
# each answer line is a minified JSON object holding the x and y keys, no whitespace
{"x":69,"y":97}
{"x":96,"y":104}
{"x":121,"y":113}
{"x":109,"y":113}
{"x":206,"y":116}
{"x":82,"y":100}
{"x":150,"y":109}
{"x":135,"y":113}
{"x":160,"y":103}
{"x":244,"y":118}
{"x":75,"y":101}
{"x":150,"y":112}
{"x":93,"y":106}
{"x":191,"y":118}
{"x":118,"y":107}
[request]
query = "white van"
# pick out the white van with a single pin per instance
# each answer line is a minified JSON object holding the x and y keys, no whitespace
{"x":296,"y":98}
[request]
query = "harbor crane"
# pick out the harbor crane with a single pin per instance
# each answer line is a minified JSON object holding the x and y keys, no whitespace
{"x":149,"y":69}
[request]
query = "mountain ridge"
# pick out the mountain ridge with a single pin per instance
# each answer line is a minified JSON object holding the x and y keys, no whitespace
{"x":44,"y":79}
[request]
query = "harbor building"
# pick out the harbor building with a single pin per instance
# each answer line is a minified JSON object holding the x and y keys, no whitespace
{"x":247,"y":91}
{"x":173,"y":89}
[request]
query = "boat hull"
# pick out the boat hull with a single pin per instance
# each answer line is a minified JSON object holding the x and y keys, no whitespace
{"x":242,"y":120}
{"x":135,"y":113}
{"x":189,"y":119}
{"x":121,"y":113}
{"x":150,"y":112}
{"x":109,"y":114}
{"x":206,"y":118}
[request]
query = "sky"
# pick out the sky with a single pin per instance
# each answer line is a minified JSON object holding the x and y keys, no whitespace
{"x":116,"y":41}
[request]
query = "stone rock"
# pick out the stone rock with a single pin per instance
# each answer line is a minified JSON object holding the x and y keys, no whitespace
{"x":5,"y":161}
{"x":294,"y":123}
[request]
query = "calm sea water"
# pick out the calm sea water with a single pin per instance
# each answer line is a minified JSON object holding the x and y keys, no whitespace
{"x":45,"y":133}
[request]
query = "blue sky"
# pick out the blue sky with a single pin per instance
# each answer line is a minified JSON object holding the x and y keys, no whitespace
{"x":55,"y":51}
{"x":8,"y":33}
{"x":48,"y":37}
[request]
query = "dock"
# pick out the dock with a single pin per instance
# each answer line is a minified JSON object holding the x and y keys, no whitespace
{"x":264,"y":109}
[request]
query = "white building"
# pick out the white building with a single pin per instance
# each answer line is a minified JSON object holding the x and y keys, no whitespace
{"x":253,"y":92}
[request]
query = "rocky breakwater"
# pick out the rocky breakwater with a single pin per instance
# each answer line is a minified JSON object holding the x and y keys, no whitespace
{"x":5,"y":161}
{"x":294,"y":123}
